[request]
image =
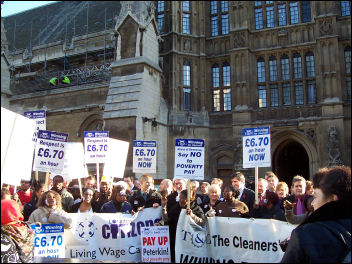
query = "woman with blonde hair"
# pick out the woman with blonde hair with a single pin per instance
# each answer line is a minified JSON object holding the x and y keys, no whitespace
{"x":50,"y":211}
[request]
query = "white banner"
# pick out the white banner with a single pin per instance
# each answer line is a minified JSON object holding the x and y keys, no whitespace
{"x":256,"y":147}
{"x":144,"y":156}
{"x":39,"y":117}
{"x":189,"y":159}
{"x":226,"y":239}
{"x":74,"y":165}
{"x":16,"y":147}
{"x":116,"y":157}
{"x":112,"y":237}
{"x":96,"y":146}
{"x":50,"y":152}
{"x":155,"y":244}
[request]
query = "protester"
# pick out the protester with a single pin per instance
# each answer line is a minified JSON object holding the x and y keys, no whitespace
{"x":202,"y":196}
{"x":262,"y":187}
{"x":309,"y":188}
{"x":66,"y":198}
{"x":166,"y":184}
{"x":50,"y":211}
{"x":269,"y":209}
{"x":282,"y":190}
{"x":38,"y":190}
{"x":298,"y":197}
{"x":90,"y":182}
{"x":171,"y":216}
{"x":137,"y":184}
{"x":130,"y":182}
{"x":5,"y":194}
{"x":73,"y":188}
{"x":179,"y":185}
{"x":118,"y":202}
{"x":145,"y":197}
{"x":231,"y":207}
{"x":273,"y":180}
{"x":297,"y":219}
{"x":103,"y":195}
{"x":25,"y":192}
{"x":214,"y":200}
{"x":246,"y":195}
{"x":219,"y":182}
{"x":325,"y":235}
{"x":17,"y":239}
{"x":85,"y":206}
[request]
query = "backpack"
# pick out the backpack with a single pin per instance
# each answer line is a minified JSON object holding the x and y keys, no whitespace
{"x":343,"y":235}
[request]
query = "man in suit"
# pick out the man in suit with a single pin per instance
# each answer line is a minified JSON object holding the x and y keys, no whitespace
{"x":246,"y":195}
{"x":173,"y":198}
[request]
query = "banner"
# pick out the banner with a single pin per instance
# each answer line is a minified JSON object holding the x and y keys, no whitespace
{"x":256,"y":147}
{"x":116,"y":157}
{"x":189,"y":159}
{"x":155,"y":244}
{"x":144,"y":156}
{"x":108,"y":236}
{"x":39,"y":117}
{"x":50,"y":151}
{"x":16,"y":147}
{"x":48,"y":241}
{"x":226,"y":239}
{"x":96,"y":146}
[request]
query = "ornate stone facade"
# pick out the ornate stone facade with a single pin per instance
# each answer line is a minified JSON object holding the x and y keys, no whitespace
{"x":146,"y":59}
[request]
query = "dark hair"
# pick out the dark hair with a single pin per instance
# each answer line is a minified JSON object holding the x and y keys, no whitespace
{"x":272,"y":197}
{"x":36,"y":187}
{"x":234,"y":190}
{"x":4,"y":192}
{"x":116,"y":190}
{"x":41,"y":201}
{"x":239,"y":176}
{"x":334,"y":180}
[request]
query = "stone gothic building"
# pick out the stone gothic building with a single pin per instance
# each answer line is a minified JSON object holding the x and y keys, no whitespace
{"x":161,"y":70}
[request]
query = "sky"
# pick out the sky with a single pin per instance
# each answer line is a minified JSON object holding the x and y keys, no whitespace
{"x":13,"y":7}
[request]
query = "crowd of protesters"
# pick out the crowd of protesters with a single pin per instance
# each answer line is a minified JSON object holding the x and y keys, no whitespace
{"x":313,"y":206}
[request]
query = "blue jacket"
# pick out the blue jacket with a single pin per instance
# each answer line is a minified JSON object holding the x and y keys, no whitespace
{"x":115,"y":207}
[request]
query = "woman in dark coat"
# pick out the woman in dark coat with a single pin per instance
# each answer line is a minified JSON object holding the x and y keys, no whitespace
{"x":324,"y":236}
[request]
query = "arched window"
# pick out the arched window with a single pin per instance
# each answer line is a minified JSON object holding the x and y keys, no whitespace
{"x":160,"y":16}
{"x":221,"y":87}
{"x":297,"y":66}
{"x":262,"y":101}
{"x":187,"y":86}
{"x":273,"y":69}
{"x":310,"y":68}
{"x":285,"y":68}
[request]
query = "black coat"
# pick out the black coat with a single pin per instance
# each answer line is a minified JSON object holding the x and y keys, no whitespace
{"x":313,"y":242}
{"x":248,"y":197}
{"x":137,"y":200}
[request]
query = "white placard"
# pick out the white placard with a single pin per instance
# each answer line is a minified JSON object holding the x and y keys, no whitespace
{"x":256,"y":147}
{"x":155,"y":244}
{"x":144,"y":156}
{"x":96,"y":146}
{"x":74,"y":165}
{"x":116,"y":157}
{"x":39,"y":117}
{"x":189,"y":159}
{"x":49,"y":241}
{"x":50,"y":152}
{"x":16,"y":147}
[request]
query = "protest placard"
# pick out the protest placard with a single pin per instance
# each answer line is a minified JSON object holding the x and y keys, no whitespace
{"x":50,"y":151}
{"x":39,"y":117}
{"x":189,"y":159}
{"x":16,"y":147}
{"x":74,"y":165}
{"x":96,"y":146}
{"x":116,"y":157}
{"x":256,"y":147}
{"x":155,"y":244}
{"x":144,"y":156}
{"x":49,"y":240}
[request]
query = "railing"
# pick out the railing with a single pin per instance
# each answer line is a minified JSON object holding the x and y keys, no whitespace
{"x":77,"y":77}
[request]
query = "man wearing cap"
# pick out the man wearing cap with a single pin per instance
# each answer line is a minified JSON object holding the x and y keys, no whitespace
{"x":103,"y":195}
